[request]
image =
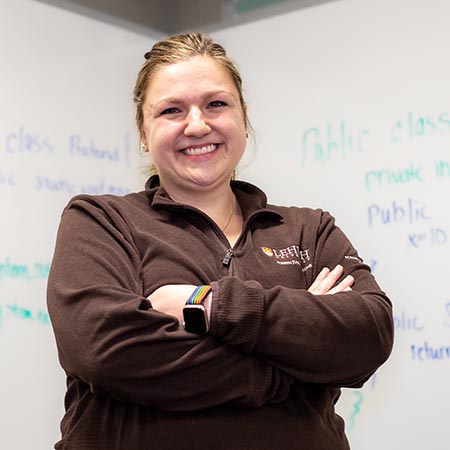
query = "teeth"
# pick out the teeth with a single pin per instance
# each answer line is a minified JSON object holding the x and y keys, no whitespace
{"x":200,"y":151}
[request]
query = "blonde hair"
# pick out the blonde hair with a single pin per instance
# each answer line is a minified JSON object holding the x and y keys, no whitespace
{"x":177,"y":49}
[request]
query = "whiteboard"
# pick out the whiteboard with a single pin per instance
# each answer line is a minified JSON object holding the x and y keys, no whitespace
{"x":350,"y":105}
{"x":350,"y":102}
{"x":66,"y":126}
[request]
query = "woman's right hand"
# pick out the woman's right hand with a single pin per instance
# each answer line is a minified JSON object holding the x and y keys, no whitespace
{"x":325,"y":283}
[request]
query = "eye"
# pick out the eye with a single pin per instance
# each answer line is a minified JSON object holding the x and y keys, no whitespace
{"x":216,"y":104}
{"x":169,"y":111}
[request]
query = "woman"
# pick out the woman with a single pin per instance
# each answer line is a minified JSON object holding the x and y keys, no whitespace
{"x":193,"y":315}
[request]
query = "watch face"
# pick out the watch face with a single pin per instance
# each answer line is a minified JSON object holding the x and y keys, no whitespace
{"x":195,"y":319}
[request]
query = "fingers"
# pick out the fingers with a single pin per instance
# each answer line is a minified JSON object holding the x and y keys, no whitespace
{"x":326,"y":280}
{"x":325,"y":283}
{"x":315,"y":288}
{"x":343,"y":286}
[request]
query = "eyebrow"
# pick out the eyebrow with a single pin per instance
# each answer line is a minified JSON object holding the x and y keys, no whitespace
{"x":177,"y":101}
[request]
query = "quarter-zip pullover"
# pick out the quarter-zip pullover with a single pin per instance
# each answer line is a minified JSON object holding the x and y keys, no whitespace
{"x":268,"y":374}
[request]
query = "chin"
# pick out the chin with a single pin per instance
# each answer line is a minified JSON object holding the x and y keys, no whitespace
{"x":209,"y":180}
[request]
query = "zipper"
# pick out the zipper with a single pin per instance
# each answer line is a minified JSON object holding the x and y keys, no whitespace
{"x":227,"y":258}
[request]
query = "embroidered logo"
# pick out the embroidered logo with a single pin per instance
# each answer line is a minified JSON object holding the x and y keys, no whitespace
{"x":291,"y":255}
{"x":268,"y":251}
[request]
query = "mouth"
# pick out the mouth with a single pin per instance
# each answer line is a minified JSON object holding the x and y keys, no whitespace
{"x":194,"y":151}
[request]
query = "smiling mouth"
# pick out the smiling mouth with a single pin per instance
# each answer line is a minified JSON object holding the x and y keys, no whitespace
{"x":200,"y":150}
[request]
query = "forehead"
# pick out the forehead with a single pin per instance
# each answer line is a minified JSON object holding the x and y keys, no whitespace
{"x":192,"y":76}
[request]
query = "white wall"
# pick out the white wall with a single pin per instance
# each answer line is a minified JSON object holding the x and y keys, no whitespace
{"x":351,"y":106}
{"x":66,"y":84}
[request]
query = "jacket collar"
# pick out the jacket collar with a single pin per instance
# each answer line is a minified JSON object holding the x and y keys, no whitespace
{"x":252,"y":200}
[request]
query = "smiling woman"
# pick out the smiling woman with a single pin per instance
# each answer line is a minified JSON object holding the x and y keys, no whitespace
{"x":194,"y":128}
{"x":193,"y":315}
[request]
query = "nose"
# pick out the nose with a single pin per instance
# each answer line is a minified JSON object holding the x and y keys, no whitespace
{"x":196,"y":124}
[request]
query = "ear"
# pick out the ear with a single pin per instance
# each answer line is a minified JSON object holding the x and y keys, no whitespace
{"x":143,"y":139}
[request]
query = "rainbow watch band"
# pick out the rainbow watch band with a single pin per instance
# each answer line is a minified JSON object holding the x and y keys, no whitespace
{"x":199,"y":295}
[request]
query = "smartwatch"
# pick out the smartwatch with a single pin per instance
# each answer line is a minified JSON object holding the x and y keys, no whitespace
{"x":194,"y":313}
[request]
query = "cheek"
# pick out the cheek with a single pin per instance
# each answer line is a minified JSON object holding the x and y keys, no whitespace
{"x":240,"y":134}
{"x":159,"y":138}
{"x":234,"y":126}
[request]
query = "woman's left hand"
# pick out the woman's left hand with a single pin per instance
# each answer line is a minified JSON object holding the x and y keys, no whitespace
{"x":325,"y":283}
{"x":171,"y":298}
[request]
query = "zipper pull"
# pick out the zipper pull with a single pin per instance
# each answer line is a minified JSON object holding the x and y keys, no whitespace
{"x":227,"y":258}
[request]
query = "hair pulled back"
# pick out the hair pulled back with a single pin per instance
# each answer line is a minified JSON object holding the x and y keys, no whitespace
{"x":176,"y":49}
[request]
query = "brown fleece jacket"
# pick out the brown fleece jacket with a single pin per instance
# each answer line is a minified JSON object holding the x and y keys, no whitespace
{"x":267,"y":375}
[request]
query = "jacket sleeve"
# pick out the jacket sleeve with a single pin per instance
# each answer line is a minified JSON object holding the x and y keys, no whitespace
{"x":109,"y":338}
{"x":336,"y":340}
